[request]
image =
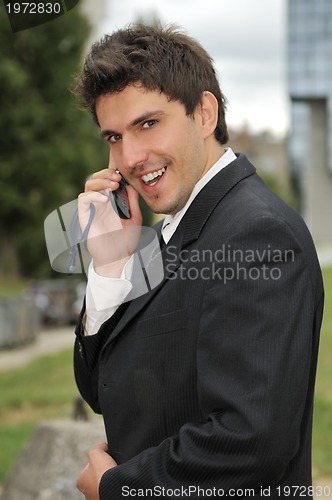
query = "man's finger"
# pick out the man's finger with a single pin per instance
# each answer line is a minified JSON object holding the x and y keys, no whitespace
{"x":85,"y":199}
{"x":80,"y":482}
{"x":102,"y":447}
{"x":111,"y":162}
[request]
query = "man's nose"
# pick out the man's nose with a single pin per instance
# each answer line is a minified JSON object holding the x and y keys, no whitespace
{"x":133,"y":152}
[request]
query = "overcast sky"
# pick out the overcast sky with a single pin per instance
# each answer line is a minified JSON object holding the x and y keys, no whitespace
{"x":247,"y":40}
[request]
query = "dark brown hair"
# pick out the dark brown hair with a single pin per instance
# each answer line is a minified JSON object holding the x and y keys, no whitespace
{"x":163,"y":59}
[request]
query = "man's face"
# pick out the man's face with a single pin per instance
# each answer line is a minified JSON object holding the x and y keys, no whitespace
{"x":157,"y":148}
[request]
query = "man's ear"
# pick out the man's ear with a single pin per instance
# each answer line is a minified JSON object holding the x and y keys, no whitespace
{"x":208,"y":111}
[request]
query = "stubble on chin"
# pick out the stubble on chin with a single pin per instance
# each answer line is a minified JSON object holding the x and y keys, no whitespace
{"x":167,"y":209}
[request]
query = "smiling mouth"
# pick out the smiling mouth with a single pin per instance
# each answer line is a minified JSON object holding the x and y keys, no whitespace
{"x":153,"y":177}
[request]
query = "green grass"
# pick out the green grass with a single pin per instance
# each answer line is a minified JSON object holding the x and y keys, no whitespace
{"x":12,"y":288}
{"x":46,"y":388}
{"x":322,"y":432}
{"x":12,"y":439}
{"x":46,"y":382}
{"x":43,"y":389}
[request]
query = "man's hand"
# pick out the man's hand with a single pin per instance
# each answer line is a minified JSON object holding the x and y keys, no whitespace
{"x":99,"y":462}
{"x":111,"y":240}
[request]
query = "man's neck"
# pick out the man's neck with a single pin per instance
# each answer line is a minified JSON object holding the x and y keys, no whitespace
{"x":215,"y":152}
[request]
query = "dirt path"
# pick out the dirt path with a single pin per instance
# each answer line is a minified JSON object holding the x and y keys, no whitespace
{"x":48,"y":342}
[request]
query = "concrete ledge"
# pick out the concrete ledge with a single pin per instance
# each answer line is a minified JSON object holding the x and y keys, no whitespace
{"x":49,"y":465}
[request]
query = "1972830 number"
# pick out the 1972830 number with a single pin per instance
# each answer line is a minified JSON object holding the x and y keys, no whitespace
{"x":34,"y":8}
{"x":304,"y":491}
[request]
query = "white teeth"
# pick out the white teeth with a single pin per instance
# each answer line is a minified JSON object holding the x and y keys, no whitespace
{"x":153,"y":175}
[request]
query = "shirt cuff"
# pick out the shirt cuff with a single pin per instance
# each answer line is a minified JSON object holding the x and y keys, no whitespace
{"x":104,"y":295}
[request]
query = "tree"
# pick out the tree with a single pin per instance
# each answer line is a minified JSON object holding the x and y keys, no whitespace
{"x":47,"y":145}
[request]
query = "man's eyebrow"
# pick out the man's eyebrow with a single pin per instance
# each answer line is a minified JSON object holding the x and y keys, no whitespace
{"x":142,"y":118}
{"x":146,"y":116}
{"x":107,"y":132}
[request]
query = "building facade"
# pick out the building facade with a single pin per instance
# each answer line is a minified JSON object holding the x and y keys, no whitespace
{"x":310,"y":88}
{"x":267,"y":152}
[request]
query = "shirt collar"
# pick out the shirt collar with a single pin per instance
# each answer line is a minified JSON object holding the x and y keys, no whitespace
{"x":171,"y":222}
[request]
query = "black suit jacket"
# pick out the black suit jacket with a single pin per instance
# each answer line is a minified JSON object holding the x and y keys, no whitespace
{"x":207,"y":380}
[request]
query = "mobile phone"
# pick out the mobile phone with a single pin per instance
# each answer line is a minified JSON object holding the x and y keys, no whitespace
{"x":119,"y":200}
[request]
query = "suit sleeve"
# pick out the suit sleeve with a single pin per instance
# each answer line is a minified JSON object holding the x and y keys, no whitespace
{"x":254,"y":363}
{"x":86,"y":356}
{"x":86,"y":349}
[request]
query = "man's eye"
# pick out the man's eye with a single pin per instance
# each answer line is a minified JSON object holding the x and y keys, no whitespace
{"x":149,"y":123}
{"x":113,"y":138}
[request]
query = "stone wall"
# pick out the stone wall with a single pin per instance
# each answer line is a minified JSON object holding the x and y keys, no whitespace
{"x":53,"y":458}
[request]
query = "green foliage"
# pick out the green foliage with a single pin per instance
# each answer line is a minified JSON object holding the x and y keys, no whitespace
{"x":48,"y":146}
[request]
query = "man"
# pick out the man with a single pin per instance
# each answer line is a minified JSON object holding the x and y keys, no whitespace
{"x":206,"y":382}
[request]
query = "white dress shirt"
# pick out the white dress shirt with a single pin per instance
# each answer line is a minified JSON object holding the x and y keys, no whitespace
{"x":104,"y":295}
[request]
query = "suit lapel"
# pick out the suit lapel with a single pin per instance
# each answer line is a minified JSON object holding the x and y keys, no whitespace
{"x":216,"y":189}
{"x":190,"y":228}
